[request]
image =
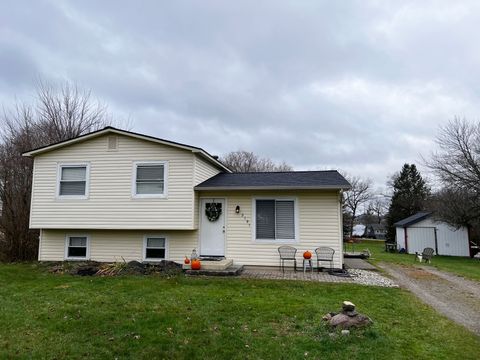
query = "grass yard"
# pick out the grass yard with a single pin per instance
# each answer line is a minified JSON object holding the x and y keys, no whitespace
{"x":50,"y":316}
{"x":467,"y":267}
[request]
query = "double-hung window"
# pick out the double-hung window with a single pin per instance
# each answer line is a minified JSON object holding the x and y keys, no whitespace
{"x":77,"y":247}
{"x":73,"y":180}
{"x":275,"y":219}
{"x":150,"y":179}
{"x":155,"y":248}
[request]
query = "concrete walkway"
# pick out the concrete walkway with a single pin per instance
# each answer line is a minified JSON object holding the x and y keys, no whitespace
{"x":355,"y":263}
{"x":453,"y":296}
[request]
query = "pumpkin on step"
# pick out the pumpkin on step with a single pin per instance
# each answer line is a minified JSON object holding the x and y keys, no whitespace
{"x":307,"y":255}
{"x":186,"y":261}
{"x":196,"y":264}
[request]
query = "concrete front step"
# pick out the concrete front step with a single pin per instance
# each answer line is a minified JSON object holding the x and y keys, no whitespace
{"x":213,"y":264}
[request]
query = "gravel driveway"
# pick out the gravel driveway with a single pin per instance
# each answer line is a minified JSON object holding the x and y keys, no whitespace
{"x":453,"y":296}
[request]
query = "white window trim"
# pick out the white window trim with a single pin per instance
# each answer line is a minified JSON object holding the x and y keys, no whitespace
{"x":144,"y":252}
{"x":275,"y":241}
{"x":165,"y":180}
{"x":87,"y":180}
{"x":67,"y":244}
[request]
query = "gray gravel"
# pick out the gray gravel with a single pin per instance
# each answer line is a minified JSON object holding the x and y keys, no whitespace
{"x":455,"y":297}
{"x":373,"y":278}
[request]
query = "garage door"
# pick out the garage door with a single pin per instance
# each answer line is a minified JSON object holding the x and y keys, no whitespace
{"x":419,"y":238}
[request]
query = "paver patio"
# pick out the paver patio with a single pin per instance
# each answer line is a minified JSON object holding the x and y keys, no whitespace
{"x":362,"y":277}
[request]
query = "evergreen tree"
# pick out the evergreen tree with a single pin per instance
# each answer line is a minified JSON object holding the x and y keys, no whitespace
{"x":410,"y":193}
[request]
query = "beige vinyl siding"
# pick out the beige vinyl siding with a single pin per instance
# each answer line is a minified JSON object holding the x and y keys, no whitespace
{"x":203,"y":171}
{"x":110,"y":204}
{"x":319,"y":220}
{"x":117,"y":245}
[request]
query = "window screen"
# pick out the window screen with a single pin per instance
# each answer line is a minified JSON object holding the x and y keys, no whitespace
{"x":155,"y":248}
{"x":150,"y":179}
{"x":285,"y":220}
{"x":265,"y":222}
{"x":73,"y":180}
{"x":77,"y":247}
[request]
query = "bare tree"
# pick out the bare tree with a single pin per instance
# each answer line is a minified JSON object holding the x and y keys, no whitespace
{"x":457,"y":165}
{"x":378,"y":206}
{"x":360,"y":193}
{"x":245,"y":161}
{"x":67,"y":112}
{"x":458,"y":207}
{"x":59,"y":113}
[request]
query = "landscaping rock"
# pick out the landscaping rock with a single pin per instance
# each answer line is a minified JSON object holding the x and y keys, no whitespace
{"x":327,"y":317}
{"x":338,"y":320}
{"x":351,"y":313}
{"x":348,"y":306}
{"x":366,"y":277}
{"x":343,"y":321}
{"x":347,"y":318}
{"x":345,"y":332}
{"x":57,"y":269}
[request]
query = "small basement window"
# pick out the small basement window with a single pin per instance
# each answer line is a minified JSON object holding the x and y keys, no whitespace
{"x":77,"y":248}
{"x":155,"y":248}
{"x":73,"y":180}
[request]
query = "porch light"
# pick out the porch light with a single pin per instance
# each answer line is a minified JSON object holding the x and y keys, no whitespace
{"x":237,"y":209}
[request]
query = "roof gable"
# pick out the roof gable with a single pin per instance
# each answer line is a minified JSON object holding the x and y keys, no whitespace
{"x":413,"y":219}
{"x":110,"y":130}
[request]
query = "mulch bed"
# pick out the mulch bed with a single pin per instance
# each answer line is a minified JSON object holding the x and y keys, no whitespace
{"x":93,"y":268}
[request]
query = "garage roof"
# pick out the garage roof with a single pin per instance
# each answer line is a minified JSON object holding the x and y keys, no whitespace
{"x":421,"y":215}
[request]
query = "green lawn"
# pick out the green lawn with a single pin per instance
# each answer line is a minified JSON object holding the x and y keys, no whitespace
{"x":467,"y":267}
{"x":50,"y":316}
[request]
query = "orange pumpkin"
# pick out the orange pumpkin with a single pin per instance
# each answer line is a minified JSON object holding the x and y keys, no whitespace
{"x":196,"y":264}
{"x":307,"y":255}
{"x":186,"y":261}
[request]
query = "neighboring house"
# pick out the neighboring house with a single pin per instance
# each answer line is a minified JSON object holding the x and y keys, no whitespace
{"x":375,"y":231}
{"x":114,"y":195}
{"x":421,"y":230}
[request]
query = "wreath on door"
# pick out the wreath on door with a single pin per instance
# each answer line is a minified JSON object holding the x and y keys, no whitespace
{"x":213,"y":211}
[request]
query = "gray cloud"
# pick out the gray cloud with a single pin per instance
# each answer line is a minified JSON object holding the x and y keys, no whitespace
{"x":357,"y":85}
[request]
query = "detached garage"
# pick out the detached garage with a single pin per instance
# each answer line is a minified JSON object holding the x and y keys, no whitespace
{"x":421,"y":230}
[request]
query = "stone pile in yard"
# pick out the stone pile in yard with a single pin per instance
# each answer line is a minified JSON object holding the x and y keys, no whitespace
{"x":347,"y":318}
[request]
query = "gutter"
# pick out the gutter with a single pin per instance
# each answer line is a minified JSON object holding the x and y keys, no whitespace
{"x":281,"y":187}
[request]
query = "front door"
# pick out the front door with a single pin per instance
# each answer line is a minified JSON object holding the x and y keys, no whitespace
{"x":212,"y":227}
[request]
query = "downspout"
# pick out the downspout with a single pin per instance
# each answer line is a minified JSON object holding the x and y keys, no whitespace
{"x":406,"y":239}
{"x":470,"y":250}
{"x":436,"y":242}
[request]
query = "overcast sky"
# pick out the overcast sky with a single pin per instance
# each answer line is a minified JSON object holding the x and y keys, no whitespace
{"x":356,"y":85}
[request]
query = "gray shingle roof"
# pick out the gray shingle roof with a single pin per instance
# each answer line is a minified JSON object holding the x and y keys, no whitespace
{"x":330,"y":179}
{"x":413,"y":219}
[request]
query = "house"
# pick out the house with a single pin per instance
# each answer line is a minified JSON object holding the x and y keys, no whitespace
{"x":422,"y":230}
{"x":114,"y":195}
{"x":375,"y":231}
